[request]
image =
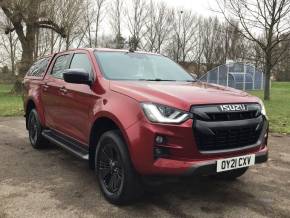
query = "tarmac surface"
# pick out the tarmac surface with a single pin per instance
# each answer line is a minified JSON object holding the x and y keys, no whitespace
{"x":52,"y":183}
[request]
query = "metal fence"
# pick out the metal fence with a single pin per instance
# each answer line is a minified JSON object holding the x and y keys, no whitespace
{"x":236,"y":75}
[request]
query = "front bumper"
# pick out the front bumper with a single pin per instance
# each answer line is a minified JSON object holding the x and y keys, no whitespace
{"x":210,"y":167}
{"x":185,"y":157}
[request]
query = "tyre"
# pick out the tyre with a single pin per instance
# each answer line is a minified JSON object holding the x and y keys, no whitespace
{"x":232,"y":174}
{"x":117,"y":178}
{"x":34,"y":130}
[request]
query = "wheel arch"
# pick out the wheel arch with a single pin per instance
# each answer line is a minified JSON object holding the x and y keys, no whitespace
{"x":102,"y":124}
{"x":33,"y":104}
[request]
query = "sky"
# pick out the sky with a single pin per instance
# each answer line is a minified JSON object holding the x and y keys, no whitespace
{"x":201,"y":7}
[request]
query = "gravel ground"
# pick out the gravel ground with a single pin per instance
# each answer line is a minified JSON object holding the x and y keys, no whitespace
{"x":52,"y":183}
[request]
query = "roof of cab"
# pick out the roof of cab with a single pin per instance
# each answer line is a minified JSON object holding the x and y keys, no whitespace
{"x":106,"y":49}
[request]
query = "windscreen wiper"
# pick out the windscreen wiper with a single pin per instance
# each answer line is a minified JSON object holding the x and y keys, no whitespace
{"x":190,"y":80}
{"x":157,"y":80}
{"x":168,"y":80}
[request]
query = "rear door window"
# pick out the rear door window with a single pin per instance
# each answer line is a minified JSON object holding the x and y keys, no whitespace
{"x":39,"y":67}
{"x":43,"y":66}
{"x":60,"y":65}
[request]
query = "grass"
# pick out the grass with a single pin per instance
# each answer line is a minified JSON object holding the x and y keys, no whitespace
{"x":10,"y":105}
{"x":278,"y":108}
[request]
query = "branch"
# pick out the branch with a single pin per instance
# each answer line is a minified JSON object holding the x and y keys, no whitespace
{"x":17,"y":26}
{"x":48,"y":24}
{"x":237,"y":12}
{"x":9,"y":30}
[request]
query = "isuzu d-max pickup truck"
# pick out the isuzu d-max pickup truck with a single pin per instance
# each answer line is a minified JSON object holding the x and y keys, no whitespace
{"x":135,"y":114}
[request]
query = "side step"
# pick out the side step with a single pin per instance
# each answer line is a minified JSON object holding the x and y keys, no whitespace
{"x":66,"y":143}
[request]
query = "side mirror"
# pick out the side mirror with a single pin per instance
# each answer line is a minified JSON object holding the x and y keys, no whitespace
{"x":77,"y":76}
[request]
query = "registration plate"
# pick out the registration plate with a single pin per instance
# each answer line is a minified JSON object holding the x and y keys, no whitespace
{"x":235,"y":163}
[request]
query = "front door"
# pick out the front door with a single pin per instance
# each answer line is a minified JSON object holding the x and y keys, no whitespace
{"x":79,"y":100}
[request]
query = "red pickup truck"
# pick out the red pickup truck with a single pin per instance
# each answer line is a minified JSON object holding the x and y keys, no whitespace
{"x":137,"y":114}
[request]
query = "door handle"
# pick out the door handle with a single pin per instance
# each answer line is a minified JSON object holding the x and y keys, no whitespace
{"x":45,"y":87}
{"x":63,"y":90}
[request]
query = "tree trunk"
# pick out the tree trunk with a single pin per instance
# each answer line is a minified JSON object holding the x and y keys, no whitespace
{"x":35,"y":56}
{"x":52,"y":42}
{"x":28,"y":47}
{"x":12,"y":54}
{"x":97,"y":30}
{"x":67,"y":41}
{"x":25,"y":63}
{"x":267,"y":80}
{"x":268,"y":68}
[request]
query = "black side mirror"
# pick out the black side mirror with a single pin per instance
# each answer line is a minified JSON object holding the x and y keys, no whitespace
{"x":77,"y":76}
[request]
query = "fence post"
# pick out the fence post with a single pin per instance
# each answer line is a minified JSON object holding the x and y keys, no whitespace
{"x":262,"y":81}
{"x":244,"y":84}
{"x":227,"y":75}
{"x":254,"y":80}
{"x":218,"y":76}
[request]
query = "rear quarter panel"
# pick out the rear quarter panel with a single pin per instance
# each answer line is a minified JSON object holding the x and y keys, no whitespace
{"x":32,"y":92}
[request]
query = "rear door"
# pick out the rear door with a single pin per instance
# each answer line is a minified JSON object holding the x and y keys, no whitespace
{"x":53,"y":92}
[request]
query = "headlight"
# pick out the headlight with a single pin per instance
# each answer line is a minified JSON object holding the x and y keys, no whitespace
{"x":163,"y":114}
{"x":263,"y":109}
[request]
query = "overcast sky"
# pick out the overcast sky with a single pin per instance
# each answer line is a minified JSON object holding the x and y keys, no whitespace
{"x":201,"y":7}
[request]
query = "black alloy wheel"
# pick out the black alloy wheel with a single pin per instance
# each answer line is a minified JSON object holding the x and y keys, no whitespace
{"x":118,"y":180}
{"x":111,"y":171}
{"x":34,"y":130}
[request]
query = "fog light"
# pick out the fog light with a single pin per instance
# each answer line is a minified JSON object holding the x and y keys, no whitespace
{"x":161,"y":152}
{"x":160,"y":139}
{"x":158,"y":152}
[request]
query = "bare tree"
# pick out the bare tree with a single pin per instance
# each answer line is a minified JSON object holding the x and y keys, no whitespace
{"x":115,"y":21}
{"x":70,"y":14}
{"x":26,"y":17}
{"x":265,"y":22}
{"x":187,"y":37}
{"x":212,"y":42}
{"x":281,"y":70}
{"x":136,"y":22}
{"x":9,"y":45}
{"x":158,"y":26}
{"x":233,"y":47}
{"x":99,"y":17}
{"x":150,"y":33}
{"x":176,"y":38}
{"x":163,"y":25}
{"x":199,"y":48}
{"x":184,"y":29}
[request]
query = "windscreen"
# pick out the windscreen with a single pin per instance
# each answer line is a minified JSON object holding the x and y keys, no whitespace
{"x":140,"y":66}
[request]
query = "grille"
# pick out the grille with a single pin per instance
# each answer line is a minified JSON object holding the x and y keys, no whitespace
{"x":228,"y":138}
{"x":232,"y":116}
{"x":216,"y":130}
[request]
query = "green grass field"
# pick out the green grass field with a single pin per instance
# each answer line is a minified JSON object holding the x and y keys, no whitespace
{"x":278,"y":108}
{"x":10,"y":105}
